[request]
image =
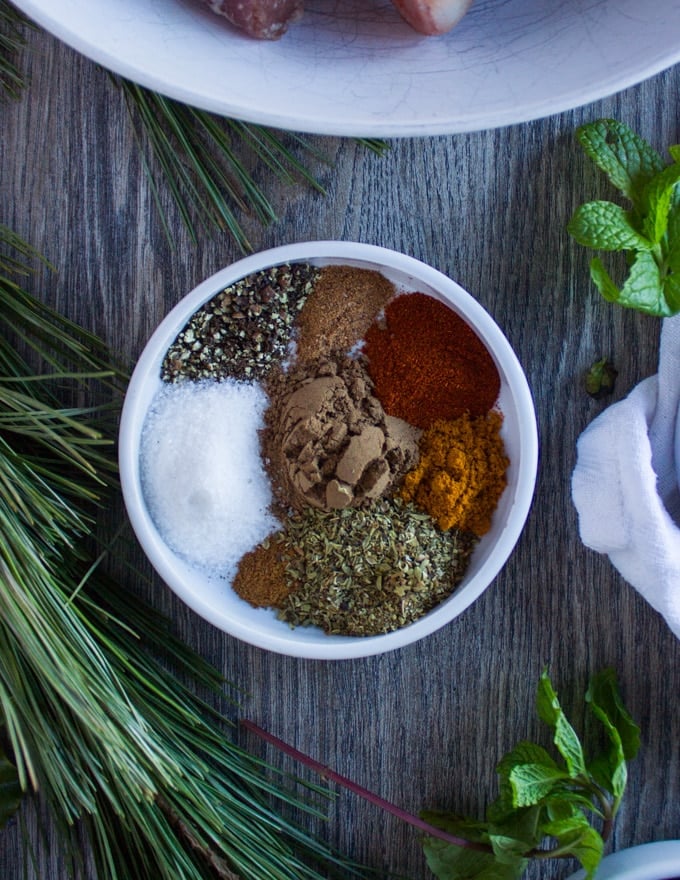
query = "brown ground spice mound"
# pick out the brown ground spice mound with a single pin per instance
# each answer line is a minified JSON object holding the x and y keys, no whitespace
{"x":336,"y":315}
{"x":261,"y":575}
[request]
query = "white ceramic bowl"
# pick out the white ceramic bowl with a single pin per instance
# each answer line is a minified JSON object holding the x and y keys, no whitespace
{"x":649,"y":861}
{"x":214,"y":599}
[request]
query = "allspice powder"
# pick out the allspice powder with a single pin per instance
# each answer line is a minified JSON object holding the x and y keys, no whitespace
{"x":340,"y":309}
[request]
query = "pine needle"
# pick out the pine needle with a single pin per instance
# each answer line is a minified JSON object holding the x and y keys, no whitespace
{"x":11,"y":43}
{"x":100,"y":701}
{"x":201,"y":160}
{"x":203,"y":163}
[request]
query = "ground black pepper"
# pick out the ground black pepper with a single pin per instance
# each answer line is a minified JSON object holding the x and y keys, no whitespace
{"x":244,"y":330}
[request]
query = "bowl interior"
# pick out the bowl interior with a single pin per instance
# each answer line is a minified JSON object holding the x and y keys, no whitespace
{"x":212,"y":597}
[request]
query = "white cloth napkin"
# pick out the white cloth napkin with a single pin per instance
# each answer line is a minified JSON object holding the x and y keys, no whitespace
{"x":625,"y":485}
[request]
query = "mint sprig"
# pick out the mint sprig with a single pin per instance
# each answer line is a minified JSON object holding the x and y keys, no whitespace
{"x":648,"y":231}
{"x":546,"y":805}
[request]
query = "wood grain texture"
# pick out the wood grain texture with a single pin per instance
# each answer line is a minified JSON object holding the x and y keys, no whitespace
{"x":423,"y":726}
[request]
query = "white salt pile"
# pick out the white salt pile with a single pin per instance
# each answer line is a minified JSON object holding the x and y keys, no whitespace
{"x":202,"y":475}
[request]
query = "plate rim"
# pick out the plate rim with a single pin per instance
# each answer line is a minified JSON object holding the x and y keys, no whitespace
{"x":387,"y":127}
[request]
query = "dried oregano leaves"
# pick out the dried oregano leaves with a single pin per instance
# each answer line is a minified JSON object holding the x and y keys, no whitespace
{"x":366,"y":571}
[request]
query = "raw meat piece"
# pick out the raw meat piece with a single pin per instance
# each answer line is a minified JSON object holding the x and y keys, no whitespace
{"x":432,"y":17}
{"x":264,"y":19}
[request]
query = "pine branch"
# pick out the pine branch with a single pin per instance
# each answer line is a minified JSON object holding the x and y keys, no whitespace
{"x":97,"y":717}
{"x":202,"y":162}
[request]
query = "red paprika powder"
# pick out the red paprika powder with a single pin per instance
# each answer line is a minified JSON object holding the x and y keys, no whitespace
{"x":427,"y":363}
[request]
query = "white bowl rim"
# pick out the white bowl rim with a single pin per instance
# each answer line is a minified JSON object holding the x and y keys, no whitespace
{"x":659,"y":860}
{"x":132,"y":416}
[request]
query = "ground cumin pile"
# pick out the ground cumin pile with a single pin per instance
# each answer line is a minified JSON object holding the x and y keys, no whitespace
{"x":340,"y":309}
{"x":461,"y":473}
{"x":261,"y":576}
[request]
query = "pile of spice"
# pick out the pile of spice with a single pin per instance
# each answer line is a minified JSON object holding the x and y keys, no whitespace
{"x":362,"y":420}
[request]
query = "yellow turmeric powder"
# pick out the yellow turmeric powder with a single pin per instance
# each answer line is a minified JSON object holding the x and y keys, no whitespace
{"x":461,"y":473}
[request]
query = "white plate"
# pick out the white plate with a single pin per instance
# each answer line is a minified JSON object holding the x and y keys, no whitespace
{"x":353,"y":67}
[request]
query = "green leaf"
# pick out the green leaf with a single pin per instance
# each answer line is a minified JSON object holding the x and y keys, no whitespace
{"x":459,"y":826}
{"x":604,"y":698}
{"x":671,"y":291}
{"x":603,"y":281}
{"x":658,"y":198}
{"x":576,"y":837}
{"x":643,"y":289}
{"x":606,"y":226}
{"x":533,"y":782}
{"x":522,"y":826}
{"x":523,"y":753}
{"x":507,"y":849}
{"x":559,"y":808}
{"x":448,"y":862}
{"x":565,"y":738}
{"x":10,"y":789}
{"x":627,"y":159}
{"x":672,"y":242}
{"x":624,"y":735}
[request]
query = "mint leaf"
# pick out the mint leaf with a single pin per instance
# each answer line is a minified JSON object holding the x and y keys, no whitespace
{"x":508,"y":849}
{"x":577,"y":838}
{"x":531,"y":783}
{"x":606,"y":226}
{"x":453,"y":863}
{"x":643,"y":289}
{"x":658,"y":198}
{"x":671,"y":244}
{"x":610,"y":769}
{"x":565,"y":738}
{"x":650,"y":231}
{"x":448,"y":862}
{"x":603,"y":281}
{"x":604,"y":698}
{"x":671,"y":292}
{"x":627,"y":159}
{"x":521,"y":826}
{"x":523,"y":753}
{"x":544,"y":809}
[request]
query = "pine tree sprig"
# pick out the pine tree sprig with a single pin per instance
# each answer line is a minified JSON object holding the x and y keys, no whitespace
{"x":101,"y":707}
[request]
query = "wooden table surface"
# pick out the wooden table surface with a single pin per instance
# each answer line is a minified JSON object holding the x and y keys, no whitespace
{"x":425,"y":725}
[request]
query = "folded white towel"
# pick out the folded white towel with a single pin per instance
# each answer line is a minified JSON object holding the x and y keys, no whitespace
{"x":625,"y":485}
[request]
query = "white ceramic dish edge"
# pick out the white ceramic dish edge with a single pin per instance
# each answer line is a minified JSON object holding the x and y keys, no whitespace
{"x":402,"y":114}
{"x":659,"y":860}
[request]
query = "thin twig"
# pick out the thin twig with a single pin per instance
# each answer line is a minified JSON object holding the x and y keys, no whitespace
{"x":366,"y":794}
